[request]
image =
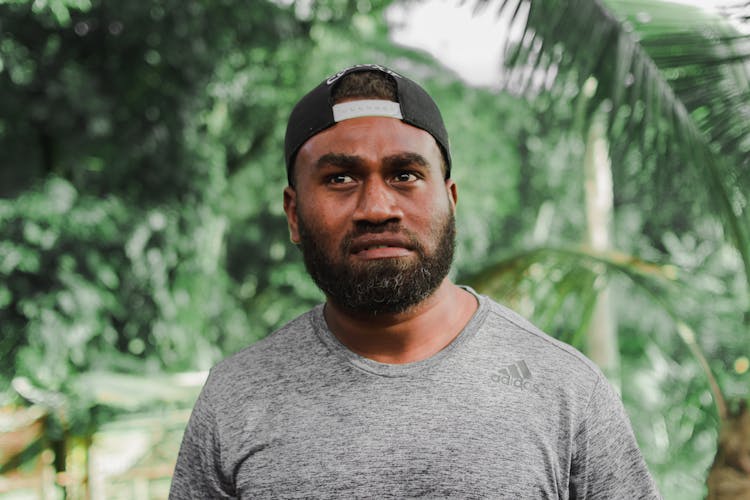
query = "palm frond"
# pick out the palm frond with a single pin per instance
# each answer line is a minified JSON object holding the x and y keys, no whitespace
{"x":558,"y":274}
{"x":579,"y":273}
{"x":677,"y":82}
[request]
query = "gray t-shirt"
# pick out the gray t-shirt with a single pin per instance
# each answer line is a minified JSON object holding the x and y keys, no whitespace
{"x":504,"y":411}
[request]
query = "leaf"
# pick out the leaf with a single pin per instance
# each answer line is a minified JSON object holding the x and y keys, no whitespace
{"x":690,"y":77}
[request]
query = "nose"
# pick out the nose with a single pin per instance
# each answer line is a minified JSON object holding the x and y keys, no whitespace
{"x":377,"y":203}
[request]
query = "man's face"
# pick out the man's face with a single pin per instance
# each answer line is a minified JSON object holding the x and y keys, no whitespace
{"x":373,"y":214}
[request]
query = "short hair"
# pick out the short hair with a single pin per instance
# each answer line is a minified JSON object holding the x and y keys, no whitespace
{"x":365,"y":85}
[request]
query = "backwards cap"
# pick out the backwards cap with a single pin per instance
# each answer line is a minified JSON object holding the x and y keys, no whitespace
{"x":316,"y":112}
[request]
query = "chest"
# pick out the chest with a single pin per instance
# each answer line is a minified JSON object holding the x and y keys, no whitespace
{"x":394,"y":438}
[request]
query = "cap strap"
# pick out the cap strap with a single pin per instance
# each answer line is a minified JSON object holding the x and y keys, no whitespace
{"x":366,"y":107}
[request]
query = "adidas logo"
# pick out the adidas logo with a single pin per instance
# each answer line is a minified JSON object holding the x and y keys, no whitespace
{"x":516,"y":375}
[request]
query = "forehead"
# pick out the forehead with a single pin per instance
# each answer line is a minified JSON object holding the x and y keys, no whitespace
{"x":370,"y":138}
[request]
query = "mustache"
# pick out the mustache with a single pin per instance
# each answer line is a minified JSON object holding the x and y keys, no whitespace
{"x":363,"y":228}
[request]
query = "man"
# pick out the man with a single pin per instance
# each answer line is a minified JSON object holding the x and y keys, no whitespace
{"x":403,"y":384}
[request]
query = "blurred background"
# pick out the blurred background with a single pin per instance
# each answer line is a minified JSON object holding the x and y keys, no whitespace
{"x":602,"y":153}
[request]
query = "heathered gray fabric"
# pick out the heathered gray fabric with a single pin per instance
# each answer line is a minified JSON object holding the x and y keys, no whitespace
{"x":503,"y":412}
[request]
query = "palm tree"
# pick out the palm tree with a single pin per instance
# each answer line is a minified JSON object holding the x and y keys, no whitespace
{"x":669,"y":85}
{"x":675,"y":82}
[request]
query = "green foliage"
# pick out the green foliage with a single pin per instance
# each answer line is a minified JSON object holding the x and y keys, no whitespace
{"x":110,"y":98}
{"x":141,"y":228}
{"x":673,"y":84}
{"x":674,"y":90}
{"x":144,"y":232}
{"x":118,"y":154}
{"x":94,"y":283}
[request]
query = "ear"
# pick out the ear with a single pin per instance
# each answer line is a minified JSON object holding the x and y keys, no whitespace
{"x":452,"y":190}
{"x":290,"y":208}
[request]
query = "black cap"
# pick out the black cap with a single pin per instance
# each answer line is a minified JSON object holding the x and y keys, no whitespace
{"x":315,"y":112}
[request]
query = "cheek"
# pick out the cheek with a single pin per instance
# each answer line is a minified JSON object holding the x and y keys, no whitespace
{"x":435,"y":208}
{"x":321,"y":222}
{"x":436,"y":218}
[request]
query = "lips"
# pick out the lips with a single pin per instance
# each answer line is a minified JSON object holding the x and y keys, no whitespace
{"x":379,"y":242}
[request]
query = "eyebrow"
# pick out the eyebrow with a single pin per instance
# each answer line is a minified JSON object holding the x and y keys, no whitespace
{"x":339,"y":160}
{"x":405,"y":159}
{"x":398,"y":160}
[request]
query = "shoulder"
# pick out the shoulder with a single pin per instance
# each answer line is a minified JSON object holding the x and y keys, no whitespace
{"x":267,"y":359}
{"x":554,"y":364}
{"x":528,"y":336}
{"x":568,"y":383}
{"x":559,"y":390}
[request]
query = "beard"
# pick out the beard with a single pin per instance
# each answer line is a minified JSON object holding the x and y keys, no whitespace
{"x":390,"y":285}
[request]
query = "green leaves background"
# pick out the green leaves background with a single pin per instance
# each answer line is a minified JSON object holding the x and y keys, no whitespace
{"x":141,"y":230}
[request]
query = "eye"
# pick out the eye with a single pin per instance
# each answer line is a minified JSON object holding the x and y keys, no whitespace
{"x":405,"y":177}
{"x":340,"y":179}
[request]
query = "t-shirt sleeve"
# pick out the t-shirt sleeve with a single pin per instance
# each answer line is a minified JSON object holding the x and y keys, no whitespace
{"x":607,"y":462}
{"x":198,"y":473}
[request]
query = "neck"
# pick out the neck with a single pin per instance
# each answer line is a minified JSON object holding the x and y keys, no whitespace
{"x":413,"y":335}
